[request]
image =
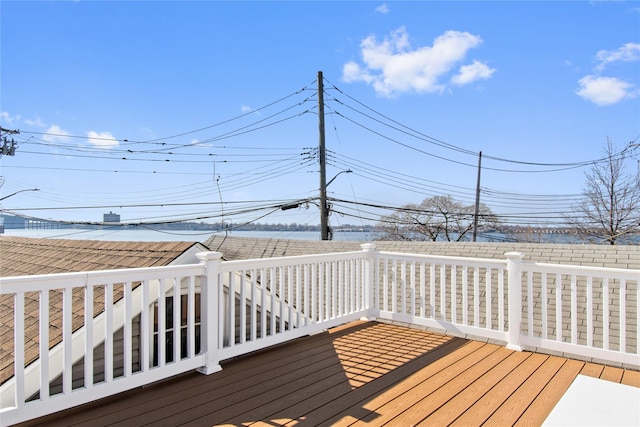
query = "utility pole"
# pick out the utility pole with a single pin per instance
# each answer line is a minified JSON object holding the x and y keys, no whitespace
{"x":324,"y":208}
{"x":475,"y":217}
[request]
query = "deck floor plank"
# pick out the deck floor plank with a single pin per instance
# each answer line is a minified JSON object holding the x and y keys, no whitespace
{"x":611,"y":373}
{"x":370,"y":407}
{"x":484,"y":408}
{"x":331,"y":408}
{"x":390,"y":404}
{"x":549,"y":396}
{"x":431,"y":402}
{"x":592,"y":370}
{"x":363,"y":373}
{"x":519,"y":401}
{"x":631,"y":378}
{"x":475,"y":390}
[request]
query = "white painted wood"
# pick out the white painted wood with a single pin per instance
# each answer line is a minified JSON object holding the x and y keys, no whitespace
{"x":595,"y":402}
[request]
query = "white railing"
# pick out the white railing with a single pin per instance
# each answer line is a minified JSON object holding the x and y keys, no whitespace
{"x":117,"y":333}
{"x":586,"y":311}
{"x":103,"y":325}
{"x":456,"y":295}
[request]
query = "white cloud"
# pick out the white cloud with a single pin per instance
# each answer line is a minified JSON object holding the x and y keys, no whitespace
{"x":102,"y":139}
{"x":246,"y":109}
{"x":8,"y":119}
{"x":471,"y":73}
{"x":628,"y":52}
{"x":56,"y":134}
{"x":392,"y":66}
{"x":383,"y":9}
{"x":605,"y":90}
{"x":35,"y":122}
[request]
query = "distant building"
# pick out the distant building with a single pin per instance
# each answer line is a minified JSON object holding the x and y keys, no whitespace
{"x":111,"y":217}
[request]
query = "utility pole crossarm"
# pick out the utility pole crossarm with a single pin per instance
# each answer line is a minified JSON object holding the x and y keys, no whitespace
{"x":8,"y":145}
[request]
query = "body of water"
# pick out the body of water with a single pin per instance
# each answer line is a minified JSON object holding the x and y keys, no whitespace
{"x":149,"y":235}
{"x":146,"y":235}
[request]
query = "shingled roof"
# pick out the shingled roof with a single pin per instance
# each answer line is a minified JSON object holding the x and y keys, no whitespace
{"x":21,"y":256}
{"x":617,"y":256}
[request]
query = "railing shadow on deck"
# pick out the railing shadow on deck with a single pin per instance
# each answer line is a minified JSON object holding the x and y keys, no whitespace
{"x":311,"y":381}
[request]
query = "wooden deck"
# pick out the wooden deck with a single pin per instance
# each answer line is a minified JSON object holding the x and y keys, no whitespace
{"x":363,"y":373}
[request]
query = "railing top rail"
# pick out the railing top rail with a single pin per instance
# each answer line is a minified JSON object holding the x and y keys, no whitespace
{"x":289,"y":260}
{"x":13,"y":284}
{"x":633,"y":274}
{"x":446,"y":258}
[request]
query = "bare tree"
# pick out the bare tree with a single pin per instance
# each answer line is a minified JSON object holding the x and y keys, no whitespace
{"x":436,"y":218}
{"x":610,"y":209}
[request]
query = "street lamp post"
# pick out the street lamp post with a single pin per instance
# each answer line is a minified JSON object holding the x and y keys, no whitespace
{"x":21,"y":191}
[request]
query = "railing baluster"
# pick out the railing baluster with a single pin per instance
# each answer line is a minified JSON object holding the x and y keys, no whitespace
{"x":501,"y":272}
{"x":331,"y":302}
{"x":146,"y":328}
{"x":422,"y":290}
{"x":243,"y":307}
{"x":487,"y":296}
{"x":432,"y":290}
{"x":443,"y":292}
{"x":177,"y":320}
{"x":530,"y":303}
{"x":413,"y":288}
{"x":306,"y":296}
{"x":273,"y":290}
{"x":263,"y":303}
{"x":403,"y":287}
{"x":314,"y":294}
{"x":253,"y":314}
{"x":476,"y":296}
{"x":88,"y":336}
{"x":298,"y":292}
{"x":558,"y":308}
{"x":18,"y":349}
{"x":465,"y":296}
{"x":543,"y":303}
{"x":394,"y":286}
{"x":454,"y":294}
{"x":385,"y":286}
{"x":161,"y":321}
{"x":231,"y":309}
{"x":191,"y":318}
{"x":589,"y":311}
{"x":67,"y":363}
{"x":605,"y":313}
{"x":574,"y":309}
{"x":44,"y":344}
{"x":127,"y":346}
{"x":623,"y":315}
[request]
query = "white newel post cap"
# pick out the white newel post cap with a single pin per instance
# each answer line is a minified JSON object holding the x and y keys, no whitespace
{"x":209,"y":256}
{"x":514,"y":256}
{"x":369,"y":247}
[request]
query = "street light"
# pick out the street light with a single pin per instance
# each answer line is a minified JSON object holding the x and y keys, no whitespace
{"x":333,"y":179}
{"x":13,"y":194}
{"x":324,"y":208}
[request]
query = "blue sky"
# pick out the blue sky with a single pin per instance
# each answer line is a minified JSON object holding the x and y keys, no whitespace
{"x":199,"y":109}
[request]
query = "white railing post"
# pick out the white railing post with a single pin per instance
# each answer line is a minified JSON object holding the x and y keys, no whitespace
{"x":515,"y":299}
{"x":210,"y":311}
{"x":369,"y":280}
